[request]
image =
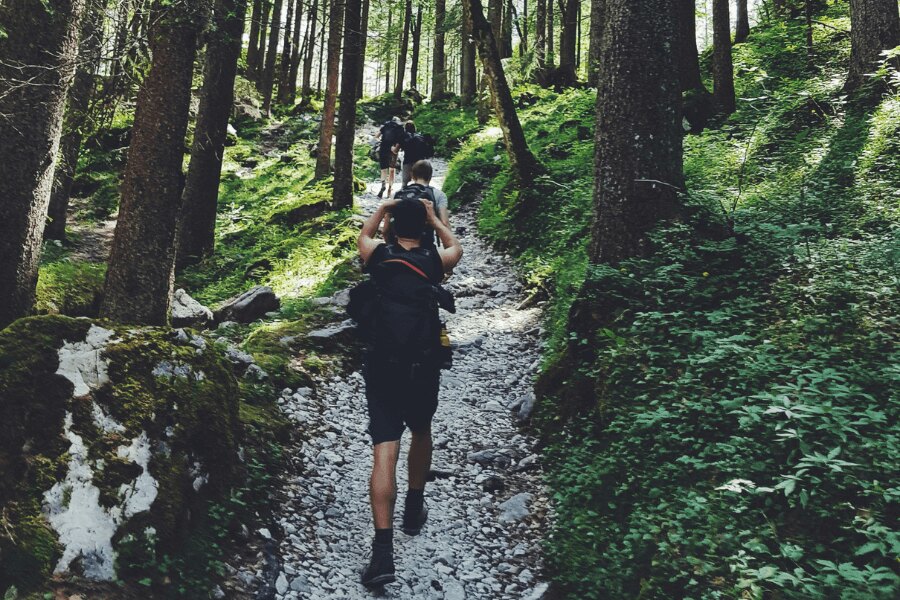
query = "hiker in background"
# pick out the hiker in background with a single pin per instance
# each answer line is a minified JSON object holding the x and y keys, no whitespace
{"x":419,"y":187}
{"x":415,"y":147}
{"x":390,"y":136}
{"x":402,"y":365}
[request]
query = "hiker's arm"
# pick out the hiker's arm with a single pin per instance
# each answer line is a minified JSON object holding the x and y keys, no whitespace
{"x":452,"y":250}
{"x":367,"y":242}
{"x":386,"y":228}
{"x":444,"y":214}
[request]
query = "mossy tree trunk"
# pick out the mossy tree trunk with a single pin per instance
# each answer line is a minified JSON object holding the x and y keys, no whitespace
{"x":722,"y":67}
{"x":326,"y":131}
{"x":201,"y":190}
{"x":467,"y":73}
{"x":268,"y":76}
{"x":404,"y":45}
{"x":742,"y":24}
{"x":306,"y":88}
{"x":598,"y":22}
{"x":568,"y":42}
{"x":76,"y":120}
{"x":522,"y":162}
{"x":438,"y":57}
{"x":342,"y":196}
{"x":874,"y":28}
{"x":37,"y":64}
{"x":142,"y":262}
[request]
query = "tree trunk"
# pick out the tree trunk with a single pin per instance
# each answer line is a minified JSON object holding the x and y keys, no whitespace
{"x":722,"y":69}
{"x":262,"y":41}
{"x":326,"y":132}
{"x":540,"y":35}
{"x":506,"y":44}
{"x":37,"y":64}
{"x":568,"y":41}
{"x":467,"y":73}
{"x":598,"y":22}
{"x":284,"y":71}
{"x":439,"y":60}
{"x":306,"y":89}
{"x":874,"y":28}
{"x":296,"y":52}
{"x":253,"y":44}
{"x":416,"y":46}
{"x":363,"y":42}
{"x":551,"y":40}
{"x":325,"y":12}
{"x":201,"y":189}
{"x":404,"y":45}
{"x":142,"y":263}
{"x":638,"y":153}
{"x":698,"y":104}
{"x":342,"y":194}
{"x":742,"y":27}
{"x":521,"y":25}
{"x":388,"y":55}
{"x":268,"y":77}
{"x":522,"y":162}
{"x":75,"y":122}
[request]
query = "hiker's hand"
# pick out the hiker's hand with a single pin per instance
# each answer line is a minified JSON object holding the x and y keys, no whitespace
{"x":430,"y":217}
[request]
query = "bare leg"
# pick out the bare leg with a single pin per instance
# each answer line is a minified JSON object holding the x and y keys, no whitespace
{"x":419,"y":459}
{"x":383,"y":483}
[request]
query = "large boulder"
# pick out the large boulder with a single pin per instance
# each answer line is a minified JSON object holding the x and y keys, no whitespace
{"x":187,"y":312}
{"x":113,"y":440}
{"x":249,"y":306}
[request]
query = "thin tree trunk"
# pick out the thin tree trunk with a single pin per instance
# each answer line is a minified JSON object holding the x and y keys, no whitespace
{"x":342,"y":195}
{"x":722,"y":69}
{"x":363,"y":43}
{"x":262,"y":41}
{"x":742,"y":27}
{"x":468,"y":81}
{"x":306,"y":89}
{"x":142,"y":263}
{"x":253,"y":44}
{"x":874,"y":28}
{"x":284,"y":71}
{"x":698,"y":105}
{"x":506,"y":44}
{"x":404,"y":46}
{"x":387,"y":52}
{"x":201,"y":189}
{"x":551,"y":38}
{"x":296,"y":55}
{"x":75,"y":122}
{"x":568,"y":42}
{"x":522,"y":162}
{"x":439,"y":60}
{"x":540,"y":33}
{"x":325,"y":11}
{"x":37,"y":64}
{"x":598,"y":22}
{"x":326,"y":132}
{"x":268,"y":77}
{"x":416,"y":41}
{"x":521,"y":24}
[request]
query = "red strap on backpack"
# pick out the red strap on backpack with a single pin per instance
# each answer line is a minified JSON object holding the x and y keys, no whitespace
{"x":408,"y":264}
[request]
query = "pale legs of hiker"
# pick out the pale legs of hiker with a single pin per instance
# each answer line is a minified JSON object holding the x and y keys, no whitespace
{"x":383,"y":482}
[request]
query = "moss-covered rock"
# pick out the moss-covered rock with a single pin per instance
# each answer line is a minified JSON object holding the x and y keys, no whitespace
{"x":112,"y":440}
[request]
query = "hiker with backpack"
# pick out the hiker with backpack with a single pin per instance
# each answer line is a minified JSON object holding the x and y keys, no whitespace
{"x":390,"y":135}
{"x":419,"y":187}
{"x":415,"y":147}
{"x":402,"y":366}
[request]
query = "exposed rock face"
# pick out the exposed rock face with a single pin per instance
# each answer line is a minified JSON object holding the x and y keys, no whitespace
{"x":187,"y":312}
{"x":112,"y":440}
{"x":249,"y":306}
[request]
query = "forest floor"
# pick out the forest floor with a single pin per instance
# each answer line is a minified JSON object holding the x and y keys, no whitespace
{"x":477,"y":543}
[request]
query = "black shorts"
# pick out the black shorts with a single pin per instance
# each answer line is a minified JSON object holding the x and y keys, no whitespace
{"x":400,"y":396}
{"x":386,"y":158}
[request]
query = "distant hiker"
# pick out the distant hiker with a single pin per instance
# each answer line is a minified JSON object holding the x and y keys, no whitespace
{"x":402,"y":366}
{"x":415,"y":147}
{"x":390,"y":134}
{"x":419,"y":187}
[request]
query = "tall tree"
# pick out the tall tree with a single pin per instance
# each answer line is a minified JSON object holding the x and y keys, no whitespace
{"x":874,"y":28}
{"x":698,"y":103}
{"x":268,"y":75}
{"x":568,"y":41}
{"x":284,"y":70}
{"x":540,"y":34}
{"x":416,"y":47}
{"x":253,"y":44}
{"x":722,"y":68}
{"x":467,"y":72}
{"x":201,"y":189}
{"x":262,"y":42}
{"x":598,"y":21}
{"x":37,"y":64}
{"x":76,"y":121}
{"x":404,"y":45}
{"x":296,"y":51}
{"x":522,"y":162}
{"x":387,"y":51}
{"x":363,"y":43}
{"x":506,"y":44}
{"x":142,"y":263}
{"x":551,"y":40}
{"x":342,"y":193}
{"x":325,"y":13}
{"x":439,"y":60}
{"x":306,"y":89}
{"x":326,"y":131}
{"x":742,"y":25}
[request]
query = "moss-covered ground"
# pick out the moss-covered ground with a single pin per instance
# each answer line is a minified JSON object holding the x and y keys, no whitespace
{"x":740,"y":441}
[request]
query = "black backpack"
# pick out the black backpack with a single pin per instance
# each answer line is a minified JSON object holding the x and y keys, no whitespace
{"x":397,"y":307}
{"x":418,"y":147}
{"x":391,"y":133}
{"x":416,"y":191}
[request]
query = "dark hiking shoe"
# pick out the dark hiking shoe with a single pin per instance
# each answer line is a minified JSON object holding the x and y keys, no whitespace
{"x":381,"y":191}
{"x":413,"y":522}
{"x":381,"y":567}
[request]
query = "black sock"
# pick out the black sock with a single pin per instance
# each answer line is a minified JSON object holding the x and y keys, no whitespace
{"x":415,"y":499}
{"x":384,"y":536}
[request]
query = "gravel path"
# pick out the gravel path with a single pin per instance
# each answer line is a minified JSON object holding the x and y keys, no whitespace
{"x":488,"y":508}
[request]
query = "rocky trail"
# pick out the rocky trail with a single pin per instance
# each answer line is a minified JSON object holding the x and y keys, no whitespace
{"x":487,"y":507}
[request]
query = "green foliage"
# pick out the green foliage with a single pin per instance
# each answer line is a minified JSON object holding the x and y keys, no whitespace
{"x":70,"y":288}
